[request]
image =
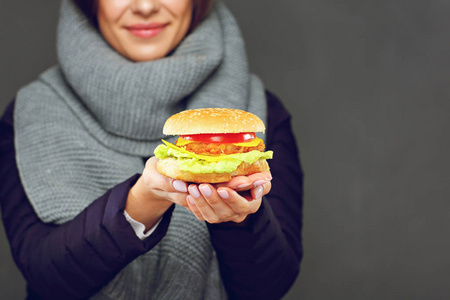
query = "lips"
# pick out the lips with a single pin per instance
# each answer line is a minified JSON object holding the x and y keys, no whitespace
{"x":147,"y":30}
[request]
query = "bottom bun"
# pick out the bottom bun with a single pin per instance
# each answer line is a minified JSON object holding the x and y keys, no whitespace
{"x":169,"y":167}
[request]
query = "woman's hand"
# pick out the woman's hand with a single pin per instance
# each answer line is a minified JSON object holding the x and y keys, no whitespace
{"x":153,"y":194}
{"x":230,"y":201}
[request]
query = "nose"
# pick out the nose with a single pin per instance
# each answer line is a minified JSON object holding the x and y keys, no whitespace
{"x":145,"y":7}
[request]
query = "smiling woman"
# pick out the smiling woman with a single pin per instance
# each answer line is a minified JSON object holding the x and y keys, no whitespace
{"x":90,"y":216}
{"x":144,"y":30}
{"x":199,"y":10}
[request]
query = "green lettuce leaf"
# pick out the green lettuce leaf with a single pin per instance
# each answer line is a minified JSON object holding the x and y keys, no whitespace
{"x":195,"y":163}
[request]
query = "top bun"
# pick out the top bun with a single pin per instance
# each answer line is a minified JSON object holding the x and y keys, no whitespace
{"x":212,"y":120}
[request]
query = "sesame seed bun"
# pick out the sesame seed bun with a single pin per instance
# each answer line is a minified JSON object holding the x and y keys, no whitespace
{"x":212,"y":120}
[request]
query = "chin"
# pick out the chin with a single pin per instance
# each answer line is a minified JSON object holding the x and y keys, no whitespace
{"x":144,"y":54}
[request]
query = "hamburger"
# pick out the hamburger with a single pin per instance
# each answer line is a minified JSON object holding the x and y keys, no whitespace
{"x":214,"y":145}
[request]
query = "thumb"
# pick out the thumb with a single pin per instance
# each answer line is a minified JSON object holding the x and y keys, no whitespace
{"x":153,"y":179}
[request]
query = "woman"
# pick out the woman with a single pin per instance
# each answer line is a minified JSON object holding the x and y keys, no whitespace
{"x":81,"y":220}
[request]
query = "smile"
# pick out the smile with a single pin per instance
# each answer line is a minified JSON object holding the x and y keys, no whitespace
{"x":148,"y":30}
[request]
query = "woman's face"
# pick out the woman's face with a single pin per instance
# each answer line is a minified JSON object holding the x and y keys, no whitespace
{"x":144,"y":30}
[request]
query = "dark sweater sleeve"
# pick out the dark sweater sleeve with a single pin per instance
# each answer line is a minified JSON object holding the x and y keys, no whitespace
{"x":262,"y":260}
{"x":75,"y":259}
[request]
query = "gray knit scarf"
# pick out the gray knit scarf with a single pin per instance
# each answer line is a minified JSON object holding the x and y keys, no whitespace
{"x":86,"y":125}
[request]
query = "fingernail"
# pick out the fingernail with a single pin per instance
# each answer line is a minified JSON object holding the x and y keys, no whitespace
{"x":244,"y":185}
{"x":223,"y":194}
{"x":205,"y":190}
{"x":180,"y":186}
{"x":259,"y":182}
{"x":191,"y":200}
{"x":193,"y":190}
{"x":258,"y":192}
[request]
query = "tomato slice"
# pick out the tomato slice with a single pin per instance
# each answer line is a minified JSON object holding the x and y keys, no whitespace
{"x":223,"y":138}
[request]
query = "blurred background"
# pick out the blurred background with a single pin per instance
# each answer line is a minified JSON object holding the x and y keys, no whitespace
{"x":368,"y":85}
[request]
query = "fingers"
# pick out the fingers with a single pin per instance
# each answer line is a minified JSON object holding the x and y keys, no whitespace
{"x":157,"y":181}
{"x":243,"y":183}
{"x":219,"y":205}
{"x":242,"y":204}
{"x":208,"y":204}
{"x":211,"y":203}
{"x":261,"y":190}
{"x":162,"y":186}
{"x":259,"y":177}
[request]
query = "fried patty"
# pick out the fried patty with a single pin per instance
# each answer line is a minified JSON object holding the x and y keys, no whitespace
{"x":215,"y":148}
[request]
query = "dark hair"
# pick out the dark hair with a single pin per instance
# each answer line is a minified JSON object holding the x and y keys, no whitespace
{"x":89,"y":8}
{"x":200,"y":10}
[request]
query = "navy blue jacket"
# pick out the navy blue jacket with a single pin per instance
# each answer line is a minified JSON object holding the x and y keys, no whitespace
{"x":75,"y":259}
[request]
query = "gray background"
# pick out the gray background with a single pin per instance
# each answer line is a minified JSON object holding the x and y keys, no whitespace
{"x":367,"y":83}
